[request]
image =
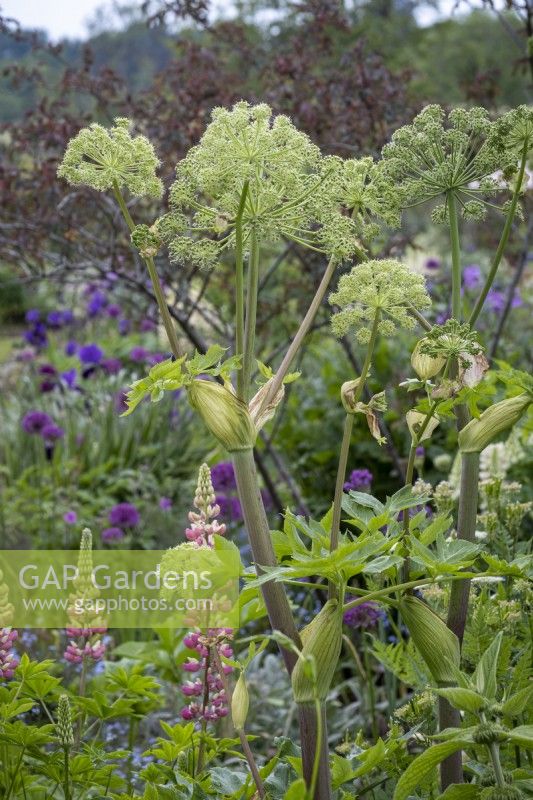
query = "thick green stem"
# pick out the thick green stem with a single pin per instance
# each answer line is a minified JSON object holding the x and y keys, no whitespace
{"x":239,"y":288}
{"x":345,"y":443}
{"x":451,"y":770}
{"x":251,"y":314}
{"x":66,"y":776}
{"x":496,"y":763}
{"x":156,"y":283}
{"x":456,"y":257}
{"x":279,"y":610}
{"x":301,"y":333}
{"x":503,"y":240}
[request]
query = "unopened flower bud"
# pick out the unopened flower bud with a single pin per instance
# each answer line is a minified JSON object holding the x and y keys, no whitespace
{"x":322,"y":641}
{"x":225,"y":415}
{"x":479,"y":433}
{"x":240,"y":703}
{"x":64,"y":722}
{"x":146,"y":240}
{"x":426,"y":366}
{"x":435,"y":642}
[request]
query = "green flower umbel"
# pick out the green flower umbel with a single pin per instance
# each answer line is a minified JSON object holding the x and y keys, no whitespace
{"x":260,"y":165}
{"x":99,"y":157}
{"x":437,"y":155}
{"x":385,"y":286}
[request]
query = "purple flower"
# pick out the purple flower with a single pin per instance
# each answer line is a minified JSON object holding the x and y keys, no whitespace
{"x":113,"y":310}
{"x":26,"y":355}
{"x":47,"y":386}
{"x":138,"y":353}
{"x":113,"y":534}
{"x":70,"y":348}
{"x":90,"y":354}
{"x":69,"y":378}
{"x":52,"y":432}
{"x":68,"y":316}
{"x":33,"y":315}
{"x":496,"y":300}
{"x":359,"y":480}
{"x":432,"y":263}
{"x":471,"y":276}
{"x":124,"y":514}
{"x":441,"y":318}
{"x":147,"y":325}
{"x":156,"y":358}
{"x":364,"y":616}
{"x":230,"y":506}
{"x":35,"y":421}
{"x":97,"y":302}
{"x":223,"y":476}
{"x":36,"y":335}
{"x":165,"y":503}
{"x":119,"y":401}
{"x":55,"y":319}
{"x":112,"y":365}
{"x":124,"y":326}
{"x":70,"y":517}
{"x":420,"y":452}
{"x":47,"y":369}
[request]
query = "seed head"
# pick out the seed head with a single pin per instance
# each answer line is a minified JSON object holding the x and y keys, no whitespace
{"x":386,"y":286}
{"x":99,"y":157}
{"x":439,"y":154}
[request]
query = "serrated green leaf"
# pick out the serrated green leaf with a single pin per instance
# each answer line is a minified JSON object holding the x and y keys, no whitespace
{"x":518,"y":702}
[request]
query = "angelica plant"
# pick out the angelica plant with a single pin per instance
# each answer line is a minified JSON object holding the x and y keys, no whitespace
{"x":252,"y":181}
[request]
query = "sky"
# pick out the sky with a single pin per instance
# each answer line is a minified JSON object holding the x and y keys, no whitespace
{"x":70,"y":18}
{"x":61,"y":18}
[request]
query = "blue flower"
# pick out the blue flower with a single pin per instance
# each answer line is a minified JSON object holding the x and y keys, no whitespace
{"x":90,"y":354}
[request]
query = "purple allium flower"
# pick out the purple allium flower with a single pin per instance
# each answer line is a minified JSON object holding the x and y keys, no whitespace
{"x":113,"y":310}
{"x":496,"y":300}
{"x":359,"y":480}
{"x":471,"y":276}
{"x":124,"y":514}
{"x":112,"y":534}
{"x":165,"y":503}
{"x":35,"y":421}
{"x":32,"y":315}
{"x":364,"y":616}
{"x":441,"y":318}
{"x":97,"y":302}
{"x":112,"y":365}
{"x":90,"y":354}
{"x":52,"y":432}
{"x":55,"y":319}
{"x":36,"y":335}
{"x":223,"y":476}
{"x":432,"y":263}
{"x":124,"y":326}
{"x":156,"y":358}
{"x":68,"y":316}
{"x":71,"y":347}
{"x":138,"y":353}
{"x":70,"y":517}
{"x":47,"y":386}
{"x":147,"y":325}
{"x":69,"y":378}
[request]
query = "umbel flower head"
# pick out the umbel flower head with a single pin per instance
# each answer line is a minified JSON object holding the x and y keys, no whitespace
{"x":438,"y":155}
{"x":387,"y":287}
{"x":451,"y":341}
{"x":99,"y":158}
{"x":258,"y":169}
{"x":514,"y":130}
